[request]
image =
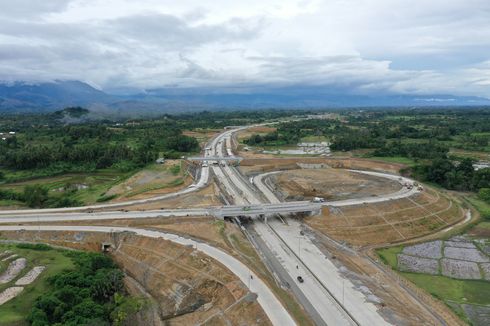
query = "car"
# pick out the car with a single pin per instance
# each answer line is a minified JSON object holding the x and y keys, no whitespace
{"x":300,"y":279}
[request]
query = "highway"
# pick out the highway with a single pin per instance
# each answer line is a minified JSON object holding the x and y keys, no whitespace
{"x":317,"y":297}
{"x":333,"y":297}
{"x":267,"y":300}
{"x":292,"y":254}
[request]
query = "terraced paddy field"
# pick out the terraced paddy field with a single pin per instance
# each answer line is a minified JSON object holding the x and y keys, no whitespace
{"x":22,"y":283}
{"x":388,"y":222}
{"x":455,"y":271}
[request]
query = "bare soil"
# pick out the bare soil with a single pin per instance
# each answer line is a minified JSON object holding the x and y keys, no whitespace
{"x":151,"y":182}
{"x":187,"y":287}
{"x":332,"y":184}
{"x":399,"y":307}
{"x":264,"y":163}
{"x":203,"y":198}
{"x":388,"y":222}
{"x":261,"y":130}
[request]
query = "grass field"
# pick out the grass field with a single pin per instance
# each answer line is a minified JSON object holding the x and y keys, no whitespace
{"x":15,"y":311}
{"x":388,"y":255}
{"x":314,"y":139}
{"x":92,"y":185}
{"x":448,"y":289}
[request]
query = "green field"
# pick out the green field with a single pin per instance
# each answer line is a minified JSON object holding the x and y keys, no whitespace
{"x":388,"y":255}
{"x":448,"y":289}
{"x":91,"y":185}
{"x":314,"y":139}
{"x":14,"y":311}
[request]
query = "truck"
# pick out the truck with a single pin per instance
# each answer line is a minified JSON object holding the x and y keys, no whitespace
{"x":318,"y":200}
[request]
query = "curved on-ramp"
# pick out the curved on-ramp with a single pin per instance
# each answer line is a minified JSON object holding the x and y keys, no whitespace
{"x":402,"y":193}
{"x":270,"y":304}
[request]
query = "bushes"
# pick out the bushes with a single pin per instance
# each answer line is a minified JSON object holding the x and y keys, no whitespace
{"x":484,"y":194}
{"x":34,"y":246}
{"x":105,"y":198}
{"x":35,"y":196}
{"x":92,"y":294}
{"x":413,"y":150}
{"x":456,"y":176}
{"x":8,"y":194}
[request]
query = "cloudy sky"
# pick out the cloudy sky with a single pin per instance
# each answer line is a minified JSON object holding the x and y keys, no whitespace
{"x":387,"y":46}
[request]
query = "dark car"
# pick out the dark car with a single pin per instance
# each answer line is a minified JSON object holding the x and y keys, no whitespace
{"x":300,"y":279}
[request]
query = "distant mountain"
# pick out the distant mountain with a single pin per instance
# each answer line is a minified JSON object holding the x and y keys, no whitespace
{"x":27,"y":97}
{"x":298,"y":97}
{"x":52,"y":96}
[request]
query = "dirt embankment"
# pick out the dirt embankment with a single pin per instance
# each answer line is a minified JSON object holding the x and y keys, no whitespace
{"x":399,"y":306}
{"x":154,"y":181}
{"x":389,"y":222}
{"x":331,"y":184}
{"x":181,"y":285}
{"x":271,"y":164}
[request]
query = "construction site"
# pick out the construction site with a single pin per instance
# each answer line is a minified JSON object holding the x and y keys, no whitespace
{"x":313,"y":266}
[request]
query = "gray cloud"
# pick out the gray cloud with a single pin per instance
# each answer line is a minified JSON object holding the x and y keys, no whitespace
{"x":29,"y":8}
{"x":365,"y":45}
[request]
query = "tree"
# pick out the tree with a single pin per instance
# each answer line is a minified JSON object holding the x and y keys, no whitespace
{"x":484,"y":194}
{"x":35,"y":195}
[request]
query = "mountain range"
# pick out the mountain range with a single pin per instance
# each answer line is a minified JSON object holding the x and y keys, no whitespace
{"x":52,"y":96}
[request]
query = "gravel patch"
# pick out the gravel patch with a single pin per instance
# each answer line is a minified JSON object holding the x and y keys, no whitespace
{"x":30,"y":276}
{"x":460,"y":244}
{"x":417,"y":264}
{"x":13,"y":270}
{"x":428,"y":250}
{"x":478,"y":315}
{"x":459,"y":238}
{"x":486,"y":249}
{"x":5,"y":253}
{"x":10,"y":293}
{"x":486,"y":270}
{"x":10,"y":257}
{"x":473,"y":255}
{"x":460,"y":269}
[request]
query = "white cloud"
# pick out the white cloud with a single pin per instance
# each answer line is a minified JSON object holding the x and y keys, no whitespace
{"x":436,"y":46}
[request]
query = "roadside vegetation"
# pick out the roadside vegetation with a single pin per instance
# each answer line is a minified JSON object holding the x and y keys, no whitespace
{"x":90,"y":294}
{"x":76,"y":288}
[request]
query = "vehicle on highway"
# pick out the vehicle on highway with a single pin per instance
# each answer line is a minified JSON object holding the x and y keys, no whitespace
{"x":318,"y":200}
{"x":247,"y":208}
{"x":300,"y":279}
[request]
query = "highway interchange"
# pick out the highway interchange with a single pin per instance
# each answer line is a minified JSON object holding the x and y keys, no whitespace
{"x":326,"y":295}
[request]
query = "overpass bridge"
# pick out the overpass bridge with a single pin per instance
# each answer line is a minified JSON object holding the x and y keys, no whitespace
{"x":265,"y":209}
{"x":214,"y":158}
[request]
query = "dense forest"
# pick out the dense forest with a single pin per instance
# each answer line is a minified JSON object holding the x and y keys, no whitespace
{"x":69,"y":140}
